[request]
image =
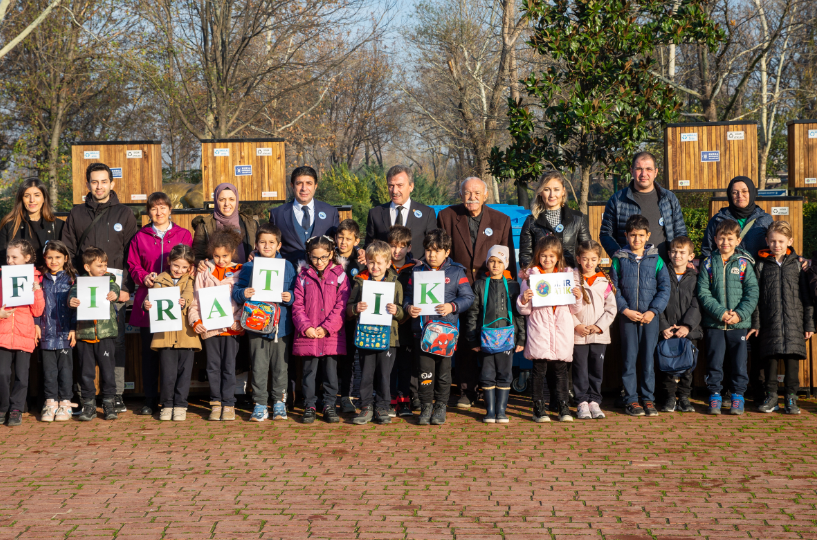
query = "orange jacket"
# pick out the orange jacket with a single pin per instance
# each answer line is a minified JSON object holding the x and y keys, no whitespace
{"x":17,"y":332}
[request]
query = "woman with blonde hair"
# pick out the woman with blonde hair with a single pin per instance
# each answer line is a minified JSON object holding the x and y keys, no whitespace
{"x":550,"y":215}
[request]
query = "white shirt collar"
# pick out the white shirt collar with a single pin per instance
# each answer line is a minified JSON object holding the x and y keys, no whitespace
{"x":406,"y":205}
{"x":298,"y":206}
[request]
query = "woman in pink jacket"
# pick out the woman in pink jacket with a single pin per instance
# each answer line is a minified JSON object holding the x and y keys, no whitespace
{"x":17,"y":338}
{"x":321,"y":292}
{"x":550,"y":330}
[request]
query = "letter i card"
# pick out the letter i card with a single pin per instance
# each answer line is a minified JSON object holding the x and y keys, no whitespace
{"x":376,"y":294}
{"x":92,"y":293}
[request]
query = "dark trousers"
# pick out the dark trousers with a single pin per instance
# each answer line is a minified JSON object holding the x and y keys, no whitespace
{"x":638,"y":343}
{"x":328,"y":366}
{"x":539,"y":386}
{"x":670,"y":385}
{"x":270,"y":359}
{"x":467,"y":368}
{"x":791,"y":382}
{"x":726,"y":346}
{"x":121,"y":351}
{"x":588,"y":371}
{"x":376,"y":367}
{"x":150,"y":366}
{"x":58,"y":374}
{"x":97,"y":354}
{"x":434,"y":376}
{"x":497,"y":370}
{"x":346,"y":362}
{"x":221,"y":353}
{"x":13,"y":396}
{"x":177,"y":368}
{"x":404,"y":371}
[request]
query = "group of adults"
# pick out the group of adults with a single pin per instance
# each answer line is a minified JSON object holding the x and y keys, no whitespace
{"x":137,"y":254}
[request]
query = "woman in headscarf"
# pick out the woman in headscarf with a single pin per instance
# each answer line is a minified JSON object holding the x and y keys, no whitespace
{"x":752,"y":219}
{"x":225,"y":214}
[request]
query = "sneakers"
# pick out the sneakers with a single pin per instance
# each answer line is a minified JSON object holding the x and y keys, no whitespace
{"x":540,"y":412}
{"x":259,"y":413}
{"x":634,"y":409}
{"x":769,"y":404}
{"x":119,"y":404}
{"x":15,"y":418}
{"x":684,"y":405}
{"x":279,"y":411}
{"x":595,"y":411}
{"x":364,"y":416}
{"x":715,"y":403}
{"x":404,"y":409}
{"x":464,"y":402}
{"x":215,"y":411}
{"x":108,"y":409}
{"x":425,"y":414}
{"x":737,"y":404}
{"x":438,"y":415}
{"x":564,"y":412}
{"x":583,"y":411}
{"x":64,"y":413}
{"x":330,"y":415}
{"x":347,"y":405}
{"x":309,"y":415}
{"x":649,"y":409}
{"x":791,"y":404}
{"x":144,"y":410}
{"x":166,"y":414}
{"x":415,"y":404}
{"x":383,"y":416}
{"x":669,"y":405}
{"x":227,"y":413}
{"x":392,"y":412}
{"x":88,"y":412}
{"x":179,"y":414}
{"x":49,"y":410}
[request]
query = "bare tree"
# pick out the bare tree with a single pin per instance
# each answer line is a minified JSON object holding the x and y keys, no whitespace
{"x":22,"y":33}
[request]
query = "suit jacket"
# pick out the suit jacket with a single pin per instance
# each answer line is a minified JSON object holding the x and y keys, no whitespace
{"x":454,"y":220}
{"x":379,"y":222}
{"x":292,"y":245}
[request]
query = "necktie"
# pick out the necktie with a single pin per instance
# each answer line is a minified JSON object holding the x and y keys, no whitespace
{"x":305,"y":219}
{"x":399,"y":219}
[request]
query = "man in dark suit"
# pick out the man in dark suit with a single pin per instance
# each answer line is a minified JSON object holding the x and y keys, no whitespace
{"x":474,"y":229}
{"x":401,"y":211}
{"x":303,"y":218}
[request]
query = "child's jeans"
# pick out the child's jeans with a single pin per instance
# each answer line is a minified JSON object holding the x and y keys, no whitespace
{"x":176,"y":367}
{"x":221,"y":353}
{"x":376,"y":369}
{"x":329,"y":365}
{"x":638,"y":344}
{"x":720,"y":345}
{"x":269,"y":359}
{"x":91,"y":355}
{"x":539,"y":387}
{"x":588,"y":371}
{"x":435,"y":376}
{"x":13,"y":397}
{"x":497,"y":370}
{"x":58,"y":374}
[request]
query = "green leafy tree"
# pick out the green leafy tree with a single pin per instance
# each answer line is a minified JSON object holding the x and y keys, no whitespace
{"x":429,"y":192}
{"x":340,"y":186}
{"x":597,"y":100}
{"x":375,"y":178}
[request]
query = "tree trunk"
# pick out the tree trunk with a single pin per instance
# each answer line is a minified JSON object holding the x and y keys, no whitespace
{"x":710,"y":110}
{"x":584,"y":192}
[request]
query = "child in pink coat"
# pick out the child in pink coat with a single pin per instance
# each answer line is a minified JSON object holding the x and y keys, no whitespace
{"x":321,"y":292}
{"x":17,"y":338}
{"x":550,"y":330}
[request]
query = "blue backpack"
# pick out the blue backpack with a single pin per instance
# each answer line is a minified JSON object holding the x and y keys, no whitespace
{"x":677,"y":355}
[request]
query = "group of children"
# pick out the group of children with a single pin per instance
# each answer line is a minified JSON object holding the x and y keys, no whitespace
{"x":317,"y":326}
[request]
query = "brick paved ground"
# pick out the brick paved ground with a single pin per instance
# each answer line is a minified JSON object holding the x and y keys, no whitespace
{"x":677,"y":476}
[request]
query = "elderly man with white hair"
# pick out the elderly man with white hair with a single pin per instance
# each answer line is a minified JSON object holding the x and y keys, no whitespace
{"x":474,"y":229}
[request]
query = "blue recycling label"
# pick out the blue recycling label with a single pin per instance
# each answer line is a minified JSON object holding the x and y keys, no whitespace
{"x":243,"y":170}
{"x":710,"y":156}
{"x":116,"y":172}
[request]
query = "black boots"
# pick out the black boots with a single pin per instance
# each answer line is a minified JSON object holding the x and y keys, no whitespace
{"x":109,"y":408}
{"x":502,"y":395}
{"x":88,"y":411}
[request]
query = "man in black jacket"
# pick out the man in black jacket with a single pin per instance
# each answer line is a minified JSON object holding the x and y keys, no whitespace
{"x":103,"y":222}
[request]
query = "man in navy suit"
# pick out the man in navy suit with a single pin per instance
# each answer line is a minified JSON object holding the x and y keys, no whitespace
{"x":401,"y":211}
{"x":304,"y":217}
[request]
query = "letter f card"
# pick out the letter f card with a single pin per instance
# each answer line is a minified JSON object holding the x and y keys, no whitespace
{"x":429,"y":290}
{"x":165,"y":311}
{"x":18,"y":285}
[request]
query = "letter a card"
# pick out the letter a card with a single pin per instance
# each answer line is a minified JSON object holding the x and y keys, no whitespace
{"x":215,"y":308}
{"x":18,"y":285}
{"x":92,"y":292}
{"x":377,"y":294}
{"x":268,"y":279}
{"x":165,"y":311}
{"x":429,"y":290}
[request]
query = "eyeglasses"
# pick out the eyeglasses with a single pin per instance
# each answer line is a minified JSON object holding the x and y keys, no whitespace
{"x":325,"y":258}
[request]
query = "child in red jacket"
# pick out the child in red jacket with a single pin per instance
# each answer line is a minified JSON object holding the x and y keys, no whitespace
{"x":18,"y":338}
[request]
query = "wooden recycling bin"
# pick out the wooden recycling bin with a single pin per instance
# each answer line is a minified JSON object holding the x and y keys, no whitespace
{"x":780,"y":208}
{"x":136,"y":167}
{"x":705,"y":156}
{"x":802,"y":154}
{"x":255,"y":166}
{"x":595,"y":212}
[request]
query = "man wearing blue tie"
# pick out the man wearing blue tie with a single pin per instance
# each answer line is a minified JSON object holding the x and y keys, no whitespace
{"x":304,"y":217}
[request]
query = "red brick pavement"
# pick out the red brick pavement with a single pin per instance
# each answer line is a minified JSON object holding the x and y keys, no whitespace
{"x":672,"y":477}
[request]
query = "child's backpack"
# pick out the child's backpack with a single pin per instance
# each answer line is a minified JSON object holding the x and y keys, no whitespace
{"x":439,"y":338}
{"x":261,"y":317}
{"x":375,"y":337}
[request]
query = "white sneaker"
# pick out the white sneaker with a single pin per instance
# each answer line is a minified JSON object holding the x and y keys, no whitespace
{"x":583,"y":411}
{"x":49,"y":410}
{"x":179,"y":414}
{"x":166,"y":415}
{"x":595,"y":410}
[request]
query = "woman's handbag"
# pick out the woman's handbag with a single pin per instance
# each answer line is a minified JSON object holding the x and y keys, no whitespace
{"x":501,"y":339}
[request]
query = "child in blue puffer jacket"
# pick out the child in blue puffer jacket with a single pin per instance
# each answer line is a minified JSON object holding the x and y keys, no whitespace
{"x":642,"y":292}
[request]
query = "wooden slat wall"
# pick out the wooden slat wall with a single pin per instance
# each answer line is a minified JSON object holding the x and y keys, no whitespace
{"x":345,"y":214}
{"x":268,"y":180}
{"x":795,"y":217}
{"x":682,"y":160}
{"x":595,"y":212}
{"x":140,"y":176}
{"x":802,"y":155}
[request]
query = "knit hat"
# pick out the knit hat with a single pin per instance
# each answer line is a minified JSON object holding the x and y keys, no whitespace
{"x":500,"y":252}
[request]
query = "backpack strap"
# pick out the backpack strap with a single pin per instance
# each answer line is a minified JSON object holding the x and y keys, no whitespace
{"x":84,"y":235}
{"x":745,"y":230}
{"x":485,"y":302}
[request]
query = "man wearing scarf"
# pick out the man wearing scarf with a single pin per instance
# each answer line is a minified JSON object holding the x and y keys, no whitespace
{"x":753,"y":221}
